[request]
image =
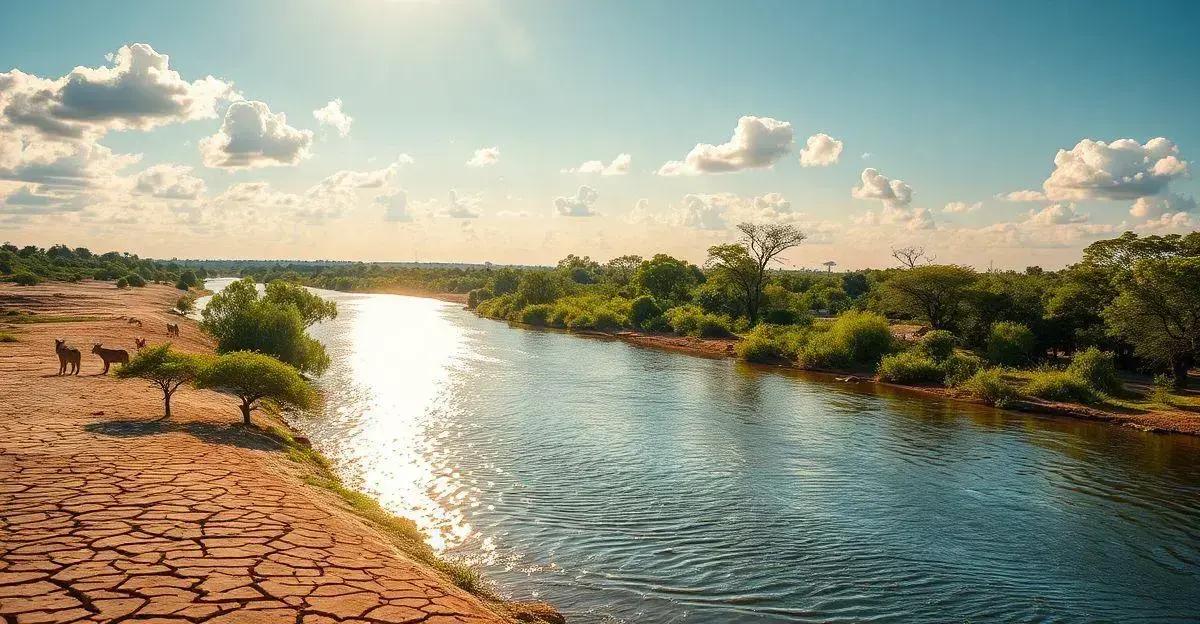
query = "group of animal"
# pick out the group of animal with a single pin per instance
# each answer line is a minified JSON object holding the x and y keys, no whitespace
{"x":69,"y":357}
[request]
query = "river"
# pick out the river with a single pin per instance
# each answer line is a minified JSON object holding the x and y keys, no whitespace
{"x":625,"y":484}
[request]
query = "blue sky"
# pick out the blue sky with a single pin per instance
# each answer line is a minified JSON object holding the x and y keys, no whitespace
{"x":962,"y":101}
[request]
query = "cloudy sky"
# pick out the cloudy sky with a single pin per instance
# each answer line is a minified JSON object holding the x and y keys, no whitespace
{"x":1000,"y":134}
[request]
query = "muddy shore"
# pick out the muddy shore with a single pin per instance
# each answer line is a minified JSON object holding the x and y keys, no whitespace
{"x":108,"y":513}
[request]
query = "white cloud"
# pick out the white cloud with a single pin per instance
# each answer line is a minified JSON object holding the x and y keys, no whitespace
{"x":900,"y":216}
{"x":252,"y":136}
{"x":79,"y":164}
{"x":1157,"y":206}
{"x":465,"y":207}
{"x":1026,"y":195}
{"x":1123,"y":169}
{"x":484,"y":157}
{"x":757,"y":142}
{"x":395,"y":206}
{"x":26,"y":201}
{"x":578,"y":205}
{"x":333,"y":116}
{"x":719,"y":211}
{"x":169,"y":181}
{"x":1170,"y":222}
{"x":619,"y":166}
{"x":893,"y":193}
{"x":821,"y":150}
{"x":959,"y":207}
{"x":1056,"y":214}
{"x":348,"y":179}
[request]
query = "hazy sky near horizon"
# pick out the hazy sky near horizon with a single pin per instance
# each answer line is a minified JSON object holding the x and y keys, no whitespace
{"x":1011,"y":133}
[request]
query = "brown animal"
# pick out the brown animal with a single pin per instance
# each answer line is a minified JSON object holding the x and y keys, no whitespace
{"x":140,"y":342}
{"x":173,"y":329}
{"x":120,"y":356}
{"x":133,"y":321}
{"x":66,"y":355}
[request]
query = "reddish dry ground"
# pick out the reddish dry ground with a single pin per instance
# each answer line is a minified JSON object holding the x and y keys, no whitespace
{"x":107,"y":516}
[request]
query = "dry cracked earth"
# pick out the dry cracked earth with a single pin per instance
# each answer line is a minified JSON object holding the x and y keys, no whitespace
{"x":109,"y":516}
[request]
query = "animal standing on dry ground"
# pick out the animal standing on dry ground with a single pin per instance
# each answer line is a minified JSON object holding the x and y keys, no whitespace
{"x":66,"y":355}
{"x":120,"y":356}
{"x":140,"y":342}
{"x":133,"y":321}
{"x":173,"y":329}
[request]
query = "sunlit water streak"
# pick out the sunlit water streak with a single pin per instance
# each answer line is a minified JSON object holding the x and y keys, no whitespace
{"x":631,"y":485}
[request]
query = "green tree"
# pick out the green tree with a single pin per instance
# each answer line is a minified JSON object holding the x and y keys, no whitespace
{"x":312,"y":308}
{"x":187,"y":280}
{"x":745,"y":262}
{"x":1157,"y":310}
{"x":539,"y":287}
{"x":1010,"y":344}
{"x":256,"y":379}
{"x":932,"y":293}
{"x":505,"y":281}
{"x":665,"y":278}
{"x":620,"y":270}
{"x":581,"y":270}
{"x":241,"y":321}
{"x":165,"y":369}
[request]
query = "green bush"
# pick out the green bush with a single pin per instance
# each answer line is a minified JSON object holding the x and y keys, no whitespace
{"x":503,"y":307}
{"x":692,"y":320}
{"x":590,"y":311}
{"x":937,"y":344}
{"x":642,"y":310}
{"x":536,"y":314}
{"x":856,"y":339}
{"x":1060,"y":386}
{"x":990,"y":386}
{"x":771,"y":343}
{"x":123,"y":283}
{"x":783,"y":316}
{"x":133,"y":279}
{"x":1097,"y":368}
{"x":909,"y":367}
{"x":1009,"y":344}
{"x":959,"y":367}
{"x":478,"y":296}
{"x":274,"y":324}
{"x":26,"y":279}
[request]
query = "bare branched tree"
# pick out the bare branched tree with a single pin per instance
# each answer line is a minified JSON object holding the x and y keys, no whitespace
{"x":746,"y":261}
{"x":912,"y":256}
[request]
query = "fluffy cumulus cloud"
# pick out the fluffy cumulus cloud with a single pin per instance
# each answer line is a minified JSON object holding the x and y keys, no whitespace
{"x":485,"y":157}
{"x":619,"y":166}
{"x":1056,"y":214}
{"x":462,"y":206}
{"x":333,"y":116}
{"x":1155,"y":207}
{"x":959,"y":207}
{"x":395,"y":206}
{"x":252,"y":136}
{"x":757,"y":142}
{"x":875,"y":185}
{"x":1025,"y":195}
{"x":27,"y":200}
{"x":1123,"y":169}
{"x":821,"y":150}
{"x":350,"y":179}
{"x":581,"y":204}
{"x":720,"y":211}
{"x":169,"y":181}
{"x":76,"y":165}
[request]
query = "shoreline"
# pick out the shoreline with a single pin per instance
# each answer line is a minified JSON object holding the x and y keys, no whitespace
{"x":1152,"y":422}
{"x":194,"y":516}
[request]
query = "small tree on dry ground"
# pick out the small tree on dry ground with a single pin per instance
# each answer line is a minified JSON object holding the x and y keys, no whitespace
{"x":164,"y":368}
{"x":254,"y":378}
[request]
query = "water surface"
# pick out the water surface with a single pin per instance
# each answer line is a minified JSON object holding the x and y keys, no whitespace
{"x":631,"y":485}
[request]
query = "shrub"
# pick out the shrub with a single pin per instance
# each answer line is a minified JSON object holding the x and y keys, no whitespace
{"x":186,"y":304}
{"x":642,"y":309}
{"x":713,"y":326}
{"x":503,"y":307}
{"x":959,"y":367}
{"x":1097,"y":368}
{"x":133,"y":279}
{"x":254,"y":378}
{"x":692,"y":320}
{"x":909,"y":367}
{"x":592,"y":311}
{"x":536,"y":314}
{"x":7,"y":337}
{"x":855,"y":339}
{"x":990,"y":386}
{"x":783,"y":316}
{"x":1060,"y":386}
{"x":26,"y":279}
{"x":1009,"y":344}
{"x":478,"y":296}
{"x":123,"y":283}
{"x":274,"y":324}
{"x":937,"y":344}
{"x":771,"y":343}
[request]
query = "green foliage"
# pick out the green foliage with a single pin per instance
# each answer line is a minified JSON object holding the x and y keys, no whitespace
{"x":241,"y":321}
{"x":855,"y":340}
{"x":62,"y":263}
{"x":1054,"y":385}
{"x":254,"y":378}
{"x":26,"y":279}
{"x":909,"y":367}
{"x":7,"y":337}
{"x":934,"y":294}
{"x":772,"y":343}
{"x":692,"y":320}
{"x":164,"y":368}
{"x":312,"y":308}
{"x":1157,"y":310}
{"x":1097,"y":368}
{"x":478,"y":296}
{"x":642,"y":310}
{"x":960,"y":367}
{"x":186,"y":304}
{"x":123,"y":283}
{"x":540,"y":287}
{"x":591,"y":311}
{"x":503,"y":307}
{"x":665,"y":278}
{"x":937,"y":344}
{"x":537,"y":314}
{"x":989,"y":386}
{"x":187,"y":279}
{"x":780,"y":316}
{"x":505,"y":281}
{"x":135,"y":280}
{"x":1009,"y":344}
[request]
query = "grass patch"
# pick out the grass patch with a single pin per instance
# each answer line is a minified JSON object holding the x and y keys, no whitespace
{"x":1061,"y":386}
{"x":24,"y":319}
{"x":7,"y":337}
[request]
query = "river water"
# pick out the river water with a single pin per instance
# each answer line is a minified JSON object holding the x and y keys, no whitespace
{"x":631,"y":485}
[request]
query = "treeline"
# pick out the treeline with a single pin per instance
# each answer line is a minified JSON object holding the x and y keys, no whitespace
{"x":31,"y":265}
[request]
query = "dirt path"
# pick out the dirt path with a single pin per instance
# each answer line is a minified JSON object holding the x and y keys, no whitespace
{"x":106,"y":516}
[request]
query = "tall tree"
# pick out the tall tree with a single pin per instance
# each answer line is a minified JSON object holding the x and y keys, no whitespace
{"x":1157,"y":310}
{"x":745,"y":262}
{"x":932,"y":293}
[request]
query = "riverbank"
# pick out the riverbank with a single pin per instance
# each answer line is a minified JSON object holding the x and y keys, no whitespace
{"x":109,"y":513}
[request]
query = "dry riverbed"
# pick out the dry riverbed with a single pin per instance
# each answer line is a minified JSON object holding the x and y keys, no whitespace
{"x":107,"y":514}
